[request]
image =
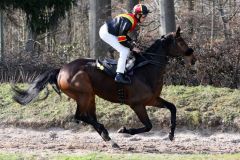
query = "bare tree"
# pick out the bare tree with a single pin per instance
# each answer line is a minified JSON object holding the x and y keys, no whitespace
{"x":167,"y":17}
{"x":1,"y":37}
{"x":99,"y":12}
{"x":213,"y":21}
{"x":225,"y":21}
{"x":131,"y":4}
{"x":190,"y":21}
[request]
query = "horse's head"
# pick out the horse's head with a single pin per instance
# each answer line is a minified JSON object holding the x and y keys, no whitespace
{"x":178,"y":47}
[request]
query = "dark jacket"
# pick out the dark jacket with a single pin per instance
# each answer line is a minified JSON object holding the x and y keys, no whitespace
{"x":120,"y":26}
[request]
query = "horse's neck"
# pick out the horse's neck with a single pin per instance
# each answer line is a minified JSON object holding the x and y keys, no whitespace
{"x":155,"y":55}
{"x":151,"y":75}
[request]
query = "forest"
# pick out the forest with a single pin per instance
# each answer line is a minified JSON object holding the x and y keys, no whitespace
{"x":43,"y":35}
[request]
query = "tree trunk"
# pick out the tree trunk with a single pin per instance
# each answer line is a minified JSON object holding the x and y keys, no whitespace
{"x":1,"y":37}
{"x":226,"y":27}
{"x":190,"y":21}
{"x":131,"y":4}
{"x":167,"y":18}
{"x":213,"y":22}
{"x":99,"y":12}
{"x":69,"y":25}
{"x":31,"y":41}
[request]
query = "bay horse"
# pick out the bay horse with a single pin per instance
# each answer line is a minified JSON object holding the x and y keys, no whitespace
{"x":81,"y":80}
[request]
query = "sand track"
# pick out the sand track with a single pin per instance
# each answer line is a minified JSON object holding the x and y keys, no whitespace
{"x":57,"y":140}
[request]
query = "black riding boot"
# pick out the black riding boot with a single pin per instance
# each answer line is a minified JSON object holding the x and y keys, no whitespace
{"x":121,"y":78}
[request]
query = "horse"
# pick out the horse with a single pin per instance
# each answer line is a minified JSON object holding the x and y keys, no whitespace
{"x":81,"y":80}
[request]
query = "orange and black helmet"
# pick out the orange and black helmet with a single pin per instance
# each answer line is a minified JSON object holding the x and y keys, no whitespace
{"x":140,"y":9}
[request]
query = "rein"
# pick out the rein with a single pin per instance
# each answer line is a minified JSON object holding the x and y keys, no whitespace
{"x":152,"y":54}
{"x":158,"y":59}
{"x":153,"y":62}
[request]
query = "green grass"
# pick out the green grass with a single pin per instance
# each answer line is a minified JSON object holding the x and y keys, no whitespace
{"x":7,"y":156}
{"x":197,"y":107}
{"x":104,"y":156}
{"x":100,"y":156}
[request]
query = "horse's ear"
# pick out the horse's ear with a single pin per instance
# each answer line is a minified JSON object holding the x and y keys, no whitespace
{"x":178,"y":32}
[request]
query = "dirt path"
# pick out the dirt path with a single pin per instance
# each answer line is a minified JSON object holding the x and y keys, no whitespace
{"x":77,"y":142}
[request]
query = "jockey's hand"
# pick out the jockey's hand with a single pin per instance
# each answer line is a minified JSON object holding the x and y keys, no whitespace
{"x":137,"y":50}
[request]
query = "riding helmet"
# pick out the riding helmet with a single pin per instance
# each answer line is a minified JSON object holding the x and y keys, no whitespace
{"x":140,"y":9}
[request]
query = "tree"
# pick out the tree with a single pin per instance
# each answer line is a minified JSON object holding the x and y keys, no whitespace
{"x":190,"y":21}
{"x":1,"y":37}
{"x":225,"y":20}
{"x":99,"y":12}
{"x":131,"y":4}
{"x":41,"y":15}
{"x":167,"y":17}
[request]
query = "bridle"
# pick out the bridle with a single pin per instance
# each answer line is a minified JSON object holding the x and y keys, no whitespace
{"x":153,"y":58}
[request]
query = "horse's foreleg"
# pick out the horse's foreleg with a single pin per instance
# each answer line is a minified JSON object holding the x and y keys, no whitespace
{"x":161,"y":103}
{"x":143,"y":117}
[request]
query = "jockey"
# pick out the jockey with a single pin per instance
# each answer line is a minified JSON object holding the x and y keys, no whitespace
{"x":114,"y":32}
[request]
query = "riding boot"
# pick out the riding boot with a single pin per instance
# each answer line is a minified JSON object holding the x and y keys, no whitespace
{"x":121,"y":78}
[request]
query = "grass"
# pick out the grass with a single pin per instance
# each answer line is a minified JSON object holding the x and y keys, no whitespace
{"x":100,"y":156}
{"x":197,"y":107}
{"x":97,"y":156}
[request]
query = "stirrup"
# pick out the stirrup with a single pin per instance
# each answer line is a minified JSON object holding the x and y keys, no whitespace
{"x":121,"y":78}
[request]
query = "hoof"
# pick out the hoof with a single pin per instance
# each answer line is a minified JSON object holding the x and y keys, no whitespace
{"x":105,"y":137}
{"x":83,"y":123}
{"x":76,"y":121}
{"x":80,"y":122}
{"x":171,"y":137}
{"x":114,"y":145}
{"x":122,"y":130}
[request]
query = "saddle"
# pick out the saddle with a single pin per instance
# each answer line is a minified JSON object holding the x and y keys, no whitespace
{"x":109,"y":66}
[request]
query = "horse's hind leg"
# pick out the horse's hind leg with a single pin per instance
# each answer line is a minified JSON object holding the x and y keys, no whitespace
{"x":143,"y":117}
{"x":86,"y":112}
{"x":90,"y":118}
{"x":161,"y":103}
{"x":85,"y":106}
{"x":81,"y":90}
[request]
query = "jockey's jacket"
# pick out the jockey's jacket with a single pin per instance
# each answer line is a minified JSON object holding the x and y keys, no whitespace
{"x":120,"y":26}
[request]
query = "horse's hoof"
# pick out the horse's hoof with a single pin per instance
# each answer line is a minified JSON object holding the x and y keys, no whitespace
{"x":171,"y":137}
{"x":122,"y":130}
{"x":114,"y":145}
{"x":80,"y":122}
{"x":83,"y":123}
{"x":105,"y":137}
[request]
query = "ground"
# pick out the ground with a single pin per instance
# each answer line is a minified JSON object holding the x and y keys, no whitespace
{"x":56,"y":140}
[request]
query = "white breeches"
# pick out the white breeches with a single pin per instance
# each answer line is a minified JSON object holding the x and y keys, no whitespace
{"x":113,"y":41}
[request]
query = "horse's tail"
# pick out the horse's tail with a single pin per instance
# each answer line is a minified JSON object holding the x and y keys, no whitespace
{"x":26,"y":96}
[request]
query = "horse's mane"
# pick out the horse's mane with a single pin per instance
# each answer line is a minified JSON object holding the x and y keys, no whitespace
{"x":157,"y":52}
{"x":162,"y":42}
